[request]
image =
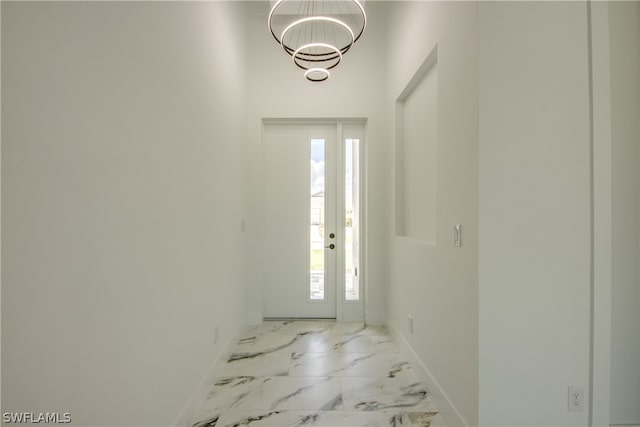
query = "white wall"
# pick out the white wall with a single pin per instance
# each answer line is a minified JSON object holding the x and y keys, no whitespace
{"x":534,"y":265}
{"x":277,"y":89}
{"x":122,"y":177}
{"x":437,"y":284}
{"x":624,"y":24}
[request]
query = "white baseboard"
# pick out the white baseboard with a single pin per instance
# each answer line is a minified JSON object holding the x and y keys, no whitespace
{"x":194,"y":404}
{"x":447,"y":409}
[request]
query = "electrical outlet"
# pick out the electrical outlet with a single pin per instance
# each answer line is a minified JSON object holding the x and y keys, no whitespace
{"x":410,"y":319}
{"x":576,"y":398}
{"x":216,"y":332}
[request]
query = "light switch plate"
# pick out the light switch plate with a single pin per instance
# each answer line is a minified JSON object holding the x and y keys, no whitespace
{"x":457,"y":235}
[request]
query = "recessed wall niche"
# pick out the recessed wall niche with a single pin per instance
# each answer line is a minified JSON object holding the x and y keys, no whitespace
{"x":416,"y":153}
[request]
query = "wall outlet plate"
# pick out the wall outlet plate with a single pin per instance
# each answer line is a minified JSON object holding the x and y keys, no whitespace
{"x":576,"y":398}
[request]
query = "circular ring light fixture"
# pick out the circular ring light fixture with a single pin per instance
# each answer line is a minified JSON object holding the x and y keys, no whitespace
{"x":310,"y":6}
{"x":312,"y":20}
{"x":317,"y":74}
{"x":334,"y":51}
{"x":317,"y":33}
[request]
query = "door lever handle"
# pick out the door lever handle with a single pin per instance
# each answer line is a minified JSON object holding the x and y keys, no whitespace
{"x":331,"y":246}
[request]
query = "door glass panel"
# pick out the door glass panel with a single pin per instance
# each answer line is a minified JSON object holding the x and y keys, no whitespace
{"x":317,"y":223}
{"x":352,"y":216}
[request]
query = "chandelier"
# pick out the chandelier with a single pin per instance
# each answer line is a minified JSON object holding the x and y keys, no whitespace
{"x":317,"y":33}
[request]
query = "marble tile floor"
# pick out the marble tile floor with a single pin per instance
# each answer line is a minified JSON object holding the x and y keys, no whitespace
{"x":317,"y":373}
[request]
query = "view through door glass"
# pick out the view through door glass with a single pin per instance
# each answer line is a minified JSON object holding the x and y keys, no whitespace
{"x":351,"y":219}
{"x":317,"y":225}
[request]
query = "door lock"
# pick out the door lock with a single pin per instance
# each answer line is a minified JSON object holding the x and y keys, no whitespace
{"x":331,"y":246}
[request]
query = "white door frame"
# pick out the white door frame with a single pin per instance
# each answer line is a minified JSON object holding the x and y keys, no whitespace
{"x":356,"y":127}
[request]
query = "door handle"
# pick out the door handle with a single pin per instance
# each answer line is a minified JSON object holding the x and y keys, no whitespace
{"x":331,"y":246}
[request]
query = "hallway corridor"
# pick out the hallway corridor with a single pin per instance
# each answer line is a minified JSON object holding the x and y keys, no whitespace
{"x":321,"y":373}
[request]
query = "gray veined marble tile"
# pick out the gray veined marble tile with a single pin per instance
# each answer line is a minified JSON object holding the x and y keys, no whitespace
{"x":237,"y":382}
{"x":435,"y":420}
{"x":287,"y":327}
{"x":327,"y":419}
{"x":267,"y":327}
{"x":238,"y":418}
{"x":415,"y":419}
{"x":283,"y":345}
{"x":385,"y":394}
{"x":320,"y":373}
{"x":269,"y":342}
{"x":244,"y":344}
{"x":362,"y":344}
{"x":314,"y":343}
{"x":320,"y":343}
{"x":317,"y":337}
{"x":265,"y":365}
{"x":303,"y":393}
{"x":207,"y":418}
{"x":350,"y":365}
{"x":306,"y":327}
{"x":214,"y":381}
{"x":228,"y":392}
{"x":357,"y":328}
{"x":275,"y":393}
